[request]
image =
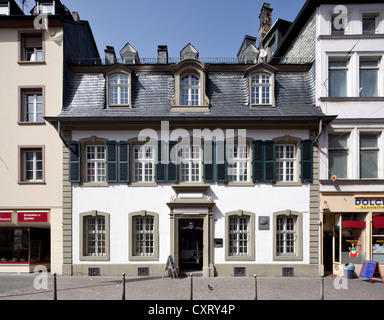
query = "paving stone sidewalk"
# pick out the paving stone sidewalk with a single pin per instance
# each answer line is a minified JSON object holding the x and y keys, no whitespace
{"x":22,"y":287}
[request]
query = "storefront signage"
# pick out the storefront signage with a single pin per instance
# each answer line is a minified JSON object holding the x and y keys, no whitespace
{"x":369,"y":270}
{"x":369,"y":203}
{"x":5,"y":217}
{"x":32,"y":216}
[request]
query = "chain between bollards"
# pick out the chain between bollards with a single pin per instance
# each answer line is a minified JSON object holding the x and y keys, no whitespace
{"x":255,"y":284}
{"x":54,"y":287}
{"x":191,"y":297}
{"x":123,"y":298}
{"x":322,"y":287}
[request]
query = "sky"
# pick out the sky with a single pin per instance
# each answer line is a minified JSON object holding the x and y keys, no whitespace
{"x":216,"y":28}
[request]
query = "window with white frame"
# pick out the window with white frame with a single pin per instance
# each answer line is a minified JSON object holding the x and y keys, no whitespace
{"x":286,"y":235}
{"x":143,"y":235}
{"x":118,"y":89}
{"x":143,"y":163}
{"x":95,"y":244}
{"x":190,"y":163}
{"x":190,"y":90}
{"x":337,"y":78}
{"x":285,"y":163}
{"x":369,"y":23}
{"x":46,"y":8}
{"x":369,"y":153}
{"x":238,"y":233}
{"x":4,"y":9}
{"x":32,"y":106}
{"x":238,"y":163}
{"x":338,"y":155}
{"x":32,"y":165}
{"x":369,"y":75}
{"x":95,"y":163}
{"x":261,"y":89}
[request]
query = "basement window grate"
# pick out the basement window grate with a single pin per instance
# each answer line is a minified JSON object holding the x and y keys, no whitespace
{"x":239,"y":271}
{"x":93,"y":271}
{"x":143,"y":271}
{"x":288,"y":272}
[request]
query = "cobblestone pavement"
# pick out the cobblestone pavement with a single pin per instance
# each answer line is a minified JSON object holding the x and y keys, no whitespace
{"x":23,"y":287}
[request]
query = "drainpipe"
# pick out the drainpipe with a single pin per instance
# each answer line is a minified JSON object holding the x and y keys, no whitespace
{"x":320,"y":131}
{"x":61,"y":137}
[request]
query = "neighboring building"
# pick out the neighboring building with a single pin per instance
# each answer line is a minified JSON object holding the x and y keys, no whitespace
{"x":345,"y":41}
{"x":32,"y":63}
{"x":253,"y":209}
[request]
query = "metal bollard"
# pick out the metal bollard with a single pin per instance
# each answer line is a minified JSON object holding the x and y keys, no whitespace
{"x":191,"y":298}
{"x":255,"y":283}
{"x":54,"y":287}
{"x":322,"y":288}
{"x":123,"y":286}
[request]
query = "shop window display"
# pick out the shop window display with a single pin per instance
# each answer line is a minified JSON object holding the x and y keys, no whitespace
{"x":352,"y":242}
{"x":24,"y":245}
{"x":378,"y":238}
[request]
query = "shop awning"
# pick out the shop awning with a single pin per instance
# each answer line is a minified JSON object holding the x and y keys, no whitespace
{"x":353,"y":224}
{"x":377,"y":222}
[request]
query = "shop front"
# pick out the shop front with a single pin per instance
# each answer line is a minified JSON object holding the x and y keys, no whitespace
{"x":24,"y":240}
{"x":353,"y":231}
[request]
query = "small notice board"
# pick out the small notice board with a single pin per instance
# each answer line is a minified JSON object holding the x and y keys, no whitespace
{"x":170,"y":265}
{"x":369,"y":270}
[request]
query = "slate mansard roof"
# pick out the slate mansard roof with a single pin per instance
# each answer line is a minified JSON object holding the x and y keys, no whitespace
{"x":152,"y":91}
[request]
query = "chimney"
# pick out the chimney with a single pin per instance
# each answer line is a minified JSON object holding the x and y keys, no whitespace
{"x":162,"y":54}
{"x":265,"y":22}
{"x":110,"y":55}
{"x":76,"y":16}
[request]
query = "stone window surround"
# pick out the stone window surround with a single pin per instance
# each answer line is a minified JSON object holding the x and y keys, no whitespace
{"x":251,"y":232}
{"x":21,"y":35}
{"x":299,"y":236}
{"x":117,"y":70}
{"x":155,"y":256}
{"x":198,"y":69}
{"x":82,"y":256}
{"x":23,"y":90}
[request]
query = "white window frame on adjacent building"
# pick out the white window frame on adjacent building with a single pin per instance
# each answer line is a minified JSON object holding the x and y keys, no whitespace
{"x":338,"y":68}
{"x":338,"y":149}
{"x":190,"y":163}
{"x":369,"y":153}
{"x":4,"y":9}
{"x":143,"y":163}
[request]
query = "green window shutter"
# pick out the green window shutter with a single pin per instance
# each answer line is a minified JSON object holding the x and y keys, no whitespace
{"x":111,"y":161}
{"x":74,"y":161}
{"x":208,"y":162}
{"x":123,"y":161}
{"x":269,"y":161}
{"x":258,"y":160}
{"x":306,"y":161}
{"x":221,"y":161}
{"x":172,"y":163}
{"x":160,"y":167}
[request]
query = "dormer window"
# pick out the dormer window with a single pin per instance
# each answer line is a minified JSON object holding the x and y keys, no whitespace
{"x":190,"y":83}
{"x":261,"y":89}
{"x":119,"y":89}
{"x":118,"y":86}
{"x":190,"y":90}
{"x":261,"y":79}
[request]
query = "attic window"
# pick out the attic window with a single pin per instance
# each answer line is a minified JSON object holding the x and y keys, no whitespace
{"x":190,"y":88}
{"x":118,"y":80}
{"x":4,"y":9}
{"x":46,"y":8}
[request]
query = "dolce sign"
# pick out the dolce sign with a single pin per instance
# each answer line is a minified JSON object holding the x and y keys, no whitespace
{"x":369,"y":203}
{"x":32,"y":216}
